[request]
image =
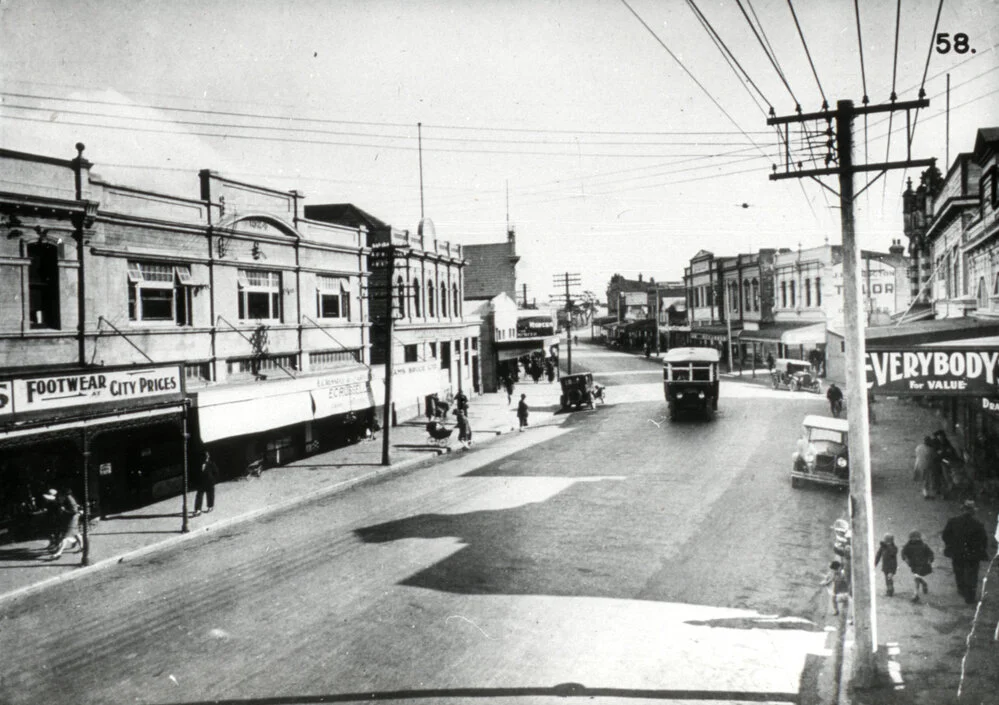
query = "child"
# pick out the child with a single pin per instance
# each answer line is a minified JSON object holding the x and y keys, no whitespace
{"x":887,"y":555}
{"x":919,"y":557}
{"x":840,"y":582}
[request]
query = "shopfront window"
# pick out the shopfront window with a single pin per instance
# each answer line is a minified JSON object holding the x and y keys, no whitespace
{"x":259,"y":295}
{"x":159,"y":292}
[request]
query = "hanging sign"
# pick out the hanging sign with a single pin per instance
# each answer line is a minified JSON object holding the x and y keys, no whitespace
{"x":940,"y":371}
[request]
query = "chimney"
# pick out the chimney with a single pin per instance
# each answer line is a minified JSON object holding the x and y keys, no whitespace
{"x":639,"y":276}
{"x":896,"y":248}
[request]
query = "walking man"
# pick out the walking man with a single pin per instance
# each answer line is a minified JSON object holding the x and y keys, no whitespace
{"x":966,"y":544}
{"x":69,"y":529}
{"x":204,"y":483}
{"x":522,"y":411}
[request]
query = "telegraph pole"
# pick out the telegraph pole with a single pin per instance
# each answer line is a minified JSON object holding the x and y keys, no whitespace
{"x":389,"y":328}
{"x":861,"y":509}
{"x":568,"y":280}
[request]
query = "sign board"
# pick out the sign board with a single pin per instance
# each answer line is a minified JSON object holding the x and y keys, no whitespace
{"x":940,"y":371}
{"x":991,"y":405}
{"x":86,"y":388}
{"x":105,"y":469}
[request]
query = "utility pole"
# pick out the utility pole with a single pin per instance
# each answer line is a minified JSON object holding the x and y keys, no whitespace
{"x":383,"y":258}
{"x":861,"y":509}
{"x":568,"y":280}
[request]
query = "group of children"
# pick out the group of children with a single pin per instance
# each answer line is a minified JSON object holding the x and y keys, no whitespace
{"x":916,"y":554}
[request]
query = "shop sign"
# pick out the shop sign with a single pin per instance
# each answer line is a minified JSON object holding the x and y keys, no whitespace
{"x":960,"y":372}
{"x":105,"y":469}
{"x":48,"y":392}
{"x":6,"y":399}
{"x":991,"y":405}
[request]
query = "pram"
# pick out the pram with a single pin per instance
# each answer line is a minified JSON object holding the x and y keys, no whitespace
{"x":437,"y":433}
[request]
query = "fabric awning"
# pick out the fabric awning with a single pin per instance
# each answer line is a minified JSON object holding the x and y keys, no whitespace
{"x":715,"y":333}
{"x":807,"y":335}
{"x":513,"y":349}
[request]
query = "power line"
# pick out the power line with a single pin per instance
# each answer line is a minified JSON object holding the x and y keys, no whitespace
{"x":773,"y":60}
{"x":893,"y":97}
{"x":825,"y":103}
{"x":293,"y":119}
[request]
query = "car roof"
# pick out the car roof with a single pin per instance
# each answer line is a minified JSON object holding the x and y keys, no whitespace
{"x":832,"y":424}
{"x":692,"y":355}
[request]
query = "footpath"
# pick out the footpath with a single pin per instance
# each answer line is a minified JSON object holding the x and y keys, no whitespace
{"x":130,"y":535}
{"x":939,"y":650}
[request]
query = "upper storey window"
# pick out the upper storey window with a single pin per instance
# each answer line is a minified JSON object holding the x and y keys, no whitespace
{"x":43,"y":285}
{"x":259,"y":295}
{"x":159,"y":292}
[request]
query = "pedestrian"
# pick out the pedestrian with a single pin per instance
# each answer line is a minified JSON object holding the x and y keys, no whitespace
{"x":461,"y":400}
{"x":835,"y":396}
{"x":919,"y":557}
{"x":53,"y":521}
{"x":966,"y":544}
{"x":839,"y":581}
{"x":887,"y":556}
{"x":522,"y":411}
{"x":69,"y":518}
{"x":508,"y":385}
{"x":464,"y":428}
{"x":871,"y":401}
{"x":770,"y":362}
{"x":204,"y":482}
{"x":927,"y":467}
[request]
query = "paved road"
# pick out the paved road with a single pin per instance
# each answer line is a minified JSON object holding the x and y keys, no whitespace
{"x":617,"y":556}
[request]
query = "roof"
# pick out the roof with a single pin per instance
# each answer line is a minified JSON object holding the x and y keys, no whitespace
{"x":841,"y":425}
{"x":925,"y":332}
{"x":986,"y":136}
{"x":344,"y":214}
{"x":692,"y":355}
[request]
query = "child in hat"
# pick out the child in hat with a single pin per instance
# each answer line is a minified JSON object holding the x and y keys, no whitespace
{"x":840,"y":582}
{"x":919,"y":558}
{"x":887,"y":556}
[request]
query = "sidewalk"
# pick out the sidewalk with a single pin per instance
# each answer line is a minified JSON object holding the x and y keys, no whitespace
{"x":127,"y":536}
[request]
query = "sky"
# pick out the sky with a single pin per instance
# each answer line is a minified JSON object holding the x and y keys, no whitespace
{"x":614,"y":134}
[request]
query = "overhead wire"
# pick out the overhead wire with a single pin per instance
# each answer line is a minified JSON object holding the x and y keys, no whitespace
{"x":893,"y":97}
{"x":801,"y":34}
{"x":863,"y":77}
{"x":772,"y":59}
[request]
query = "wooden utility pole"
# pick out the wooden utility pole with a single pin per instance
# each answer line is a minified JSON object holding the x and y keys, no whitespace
{"x":861,"y":509}
{"x":568,"y":280}
{"x":389,"y":330}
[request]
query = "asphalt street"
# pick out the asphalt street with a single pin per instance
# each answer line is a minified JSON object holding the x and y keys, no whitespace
{"x":616,"y":556}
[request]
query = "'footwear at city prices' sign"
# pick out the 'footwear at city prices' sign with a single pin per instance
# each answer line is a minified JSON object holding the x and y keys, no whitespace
{"x":89,"y":387}
{"x":946,"y":371}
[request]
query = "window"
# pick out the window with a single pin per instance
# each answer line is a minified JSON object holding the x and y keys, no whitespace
{"x":43,"y":284}
{"x":410,"y":353}
{"x":159,"y":292}
{"x":783,"y":294}
{"x":433,"y":349}
{"x":443,"y":300}
{"x":793,"y":297}
{"x":983,"y":294}
{"x":446,"y":355}
{"x":818,"y":291}
{"x":196,"y":372}
{"x":808,"y":293}
{"x":325,"y":359}
{"x":430,"y":299}
{"x":250,"y":365}
{"x":756,"y":294}
{"x":417,"y":295}
{"x":259,"y":295}
{"x":475,"y":341}
{"x":747,"y":297}
{"x":455,"y":307}
{"x":400,"y":288}
{"x":332,"y":297}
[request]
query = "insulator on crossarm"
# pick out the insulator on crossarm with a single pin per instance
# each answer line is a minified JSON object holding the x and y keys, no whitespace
{"x":797,"y":108}
{"x":825,"y":105}
{"x":922,"y":93}
{"x":772,"y":112}
{"x":894,"y":97}
{"x":866,"y":100}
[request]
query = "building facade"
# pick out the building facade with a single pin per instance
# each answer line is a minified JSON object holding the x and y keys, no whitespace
{"x":245,"y":320}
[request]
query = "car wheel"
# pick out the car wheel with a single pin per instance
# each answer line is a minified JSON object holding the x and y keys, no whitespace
{"x":795,"y":482}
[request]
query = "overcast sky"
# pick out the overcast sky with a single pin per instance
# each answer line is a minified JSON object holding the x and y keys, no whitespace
{"x":615,"y":159}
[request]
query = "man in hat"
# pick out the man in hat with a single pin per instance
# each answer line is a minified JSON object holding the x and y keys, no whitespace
{"x":966,"y":544}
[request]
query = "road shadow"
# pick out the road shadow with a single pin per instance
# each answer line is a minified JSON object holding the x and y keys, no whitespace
{"x":135,"y":517}
{"x":562,"y":690}
{"x":778,"y":623}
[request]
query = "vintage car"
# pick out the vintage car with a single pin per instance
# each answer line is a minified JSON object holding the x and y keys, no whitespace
{"x":690,"y":381}
{"x":822,"y":456}
{"x":577,"y":390}
{"x":795,"y":375}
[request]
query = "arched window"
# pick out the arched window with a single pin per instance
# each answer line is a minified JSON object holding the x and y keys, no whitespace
{"x":808,"y":293}
{"x":417,"y":295}
{"x":747,"y":300}
{"x":401,"y":289}
{"x":983,"y":294}
{"x":756,"y":294}
{"x":430,"y":299}
{"x":443,"y":300}
{"x":456,"y":305}
{"x":818,"y":291}
{"x":783,"y":294}
{"x":43,"y":285}
{"x":793,"y":297}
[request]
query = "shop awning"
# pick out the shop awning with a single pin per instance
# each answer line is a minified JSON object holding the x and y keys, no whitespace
{"x":236,"y":410}
{"x":714,"y":333}
{"x":513,"y":349}
{"x":807,"y":335}
{"x":775,"y":333}
{"x":31,"y":434}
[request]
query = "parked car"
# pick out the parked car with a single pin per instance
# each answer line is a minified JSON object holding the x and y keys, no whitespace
{"x":822,"y":455}
{"x":577,"y":389}
{"x":795,"y":375}
{"x":690,"y":381}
